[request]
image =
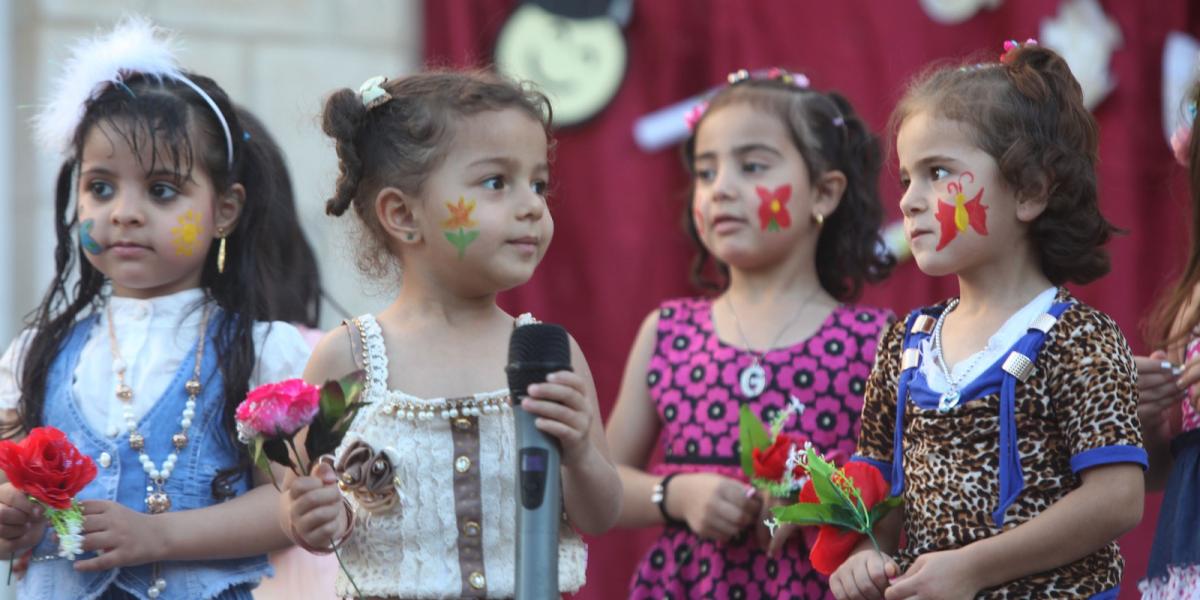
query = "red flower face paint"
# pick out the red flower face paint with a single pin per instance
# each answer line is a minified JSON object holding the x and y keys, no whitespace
{"x":772,"y":210}
{"x":956,"y":217}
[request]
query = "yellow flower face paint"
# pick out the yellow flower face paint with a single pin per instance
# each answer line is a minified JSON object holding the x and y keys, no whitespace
{"x":186,"y":236}
{"x":456,"y":225}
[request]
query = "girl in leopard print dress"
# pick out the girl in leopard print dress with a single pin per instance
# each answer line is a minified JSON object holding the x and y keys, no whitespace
{"x":1005,"y":417}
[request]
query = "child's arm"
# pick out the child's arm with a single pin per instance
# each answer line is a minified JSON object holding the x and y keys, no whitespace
{"x":1159,"y":394}
{"x":567,"y":409}
{"x":243,"y":526}
{"x":310,"y":508}
{"x":1106,"y":505}
{"x":713,"y":506}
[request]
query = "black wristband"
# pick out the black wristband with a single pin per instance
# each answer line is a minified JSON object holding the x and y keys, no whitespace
{"x":660,"y":498}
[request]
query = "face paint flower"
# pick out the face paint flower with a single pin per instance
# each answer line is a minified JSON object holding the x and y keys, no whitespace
{"x":456,"y":226}
{"x":955,"y":218}
{"x":460,"y":215}
{"x":772,"y":210}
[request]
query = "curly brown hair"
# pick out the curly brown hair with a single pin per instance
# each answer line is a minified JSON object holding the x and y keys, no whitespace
{"x":830,"y":137}
{"x":1027,"y":112}
{"x":399,"y":143}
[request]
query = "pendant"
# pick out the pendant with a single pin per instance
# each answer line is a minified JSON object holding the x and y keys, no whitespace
{"x":948,"y":401}
{"x":753,"y":380}
{"x":157,"y":500}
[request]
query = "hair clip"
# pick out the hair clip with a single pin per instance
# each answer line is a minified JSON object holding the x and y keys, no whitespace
{"x":1012,"y":45}
{"x":1181,"y":140}
{"x":372,"y":94}
{"x":694,"y":114}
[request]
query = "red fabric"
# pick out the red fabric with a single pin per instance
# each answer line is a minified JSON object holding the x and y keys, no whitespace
{"x":620,"y":248}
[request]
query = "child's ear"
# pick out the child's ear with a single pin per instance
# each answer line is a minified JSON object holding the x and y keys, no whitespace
{"x":398,"y":212}
{"x":1032,"y":201}
{"x":830,"y":187}
{"x":229,"y":208}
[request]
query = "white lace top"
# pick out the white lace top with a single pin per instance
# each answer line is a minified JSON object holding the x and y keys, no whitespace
{"x":422,"y":546}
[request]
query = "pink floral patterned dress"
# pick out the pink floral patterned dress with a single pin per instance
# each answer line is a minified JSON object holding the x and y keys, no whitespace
{"x":694,"y":381}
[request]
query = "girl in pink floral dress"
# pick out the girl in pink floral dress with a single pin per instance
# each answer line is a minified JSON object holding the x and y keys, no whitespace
{"x":786,"y":217}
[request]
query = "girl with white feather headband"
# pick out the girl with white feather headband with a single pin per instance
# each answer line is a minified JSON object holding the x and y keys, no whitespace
{"x":141,"y":350}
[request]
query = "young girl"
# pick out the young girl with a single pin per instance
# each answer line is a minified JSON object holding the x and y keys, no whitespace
{"x":1006,"y":416}
{"x":293,"y":294}
{"x":447,"y":173}
{"x":785,"y":202}
{"x":141,"y":352}
{"x":1170,"y":416}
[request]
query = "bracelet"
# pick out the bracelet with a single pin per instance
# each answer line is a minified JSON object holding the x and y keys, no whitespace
{"x":659,"y":498}
{"x":350,"y":515}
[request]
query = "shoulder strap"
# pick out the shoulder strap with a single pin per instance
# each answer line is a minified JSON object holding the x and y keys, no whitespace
{"x":358,"y":345}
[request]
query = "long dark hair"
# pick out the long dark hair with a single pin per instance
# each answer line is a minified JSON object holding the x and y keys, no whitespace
{"x":180,"y":128}
{"x":829,"y":136}
{"x":1168,"y":325}
{"x":291,"y":281}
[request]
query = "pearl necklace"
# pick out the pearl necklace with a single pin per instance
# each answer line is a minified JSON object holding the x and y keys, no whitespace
{"x":157,"y":500}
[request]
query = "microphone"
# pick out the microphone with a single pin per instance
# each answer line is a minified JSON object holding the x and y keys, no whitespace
{"x":535,"y":351}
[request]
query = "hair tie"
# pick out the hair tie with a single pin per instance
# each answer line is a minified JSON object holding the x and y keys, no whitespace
{"x":372,"y":94}
{"x":1011,"y":46}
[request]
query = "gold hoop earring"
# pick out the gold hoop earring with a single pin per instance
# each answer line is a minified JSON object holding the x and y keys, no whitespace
{"x":819,"y":218}
{"x":221,"y":251}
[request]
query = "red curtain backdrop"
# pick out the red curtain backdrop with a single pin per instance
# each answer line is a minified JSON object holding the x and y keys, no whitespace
{"x":619,"y":248}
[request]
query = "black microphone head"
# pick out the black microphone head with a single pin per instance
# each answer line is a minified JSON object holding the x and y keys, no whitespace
{"x":535,"y":351}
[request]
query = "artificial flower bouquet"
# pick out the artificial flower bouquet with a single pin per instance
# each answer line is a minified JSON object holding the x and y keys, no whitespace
{"x":768,"y":455}
{"x":50,"y":470}
{"x":272,"y":414}
{"x":844,"y":502}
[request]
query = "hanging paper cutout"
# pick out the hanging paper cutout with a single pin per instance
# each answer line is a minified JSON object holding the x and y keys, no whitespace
{"x":456,"y":226}
{"x":956,"y":217}
{"x":85,"y":237}
{"x":772,"y":210}
{"x":187,"y":234}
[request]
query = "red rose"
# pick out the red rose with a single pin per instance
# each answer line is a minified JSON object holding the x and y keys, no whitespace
{"x":834,"y":544}
{"x":47,"y":466}
{"x":770,"y":464}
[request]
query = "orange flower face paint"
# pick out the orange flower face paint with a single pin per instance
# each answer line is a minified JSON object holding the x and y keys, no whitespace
{"x":455,"y":227}
{"x":963,"y":213}
{"x":772,"y":209}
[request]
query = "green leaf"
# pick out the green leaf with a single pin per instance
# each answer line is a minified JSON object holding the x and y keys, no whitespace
{"x":821,"y":473}
{"x":885,"y":506}
{"x":260,"y":457}
{"x":806,"y":513}
{"x":333,"y":403}
{"x":276,"y":450}
{"x":751,"y":434}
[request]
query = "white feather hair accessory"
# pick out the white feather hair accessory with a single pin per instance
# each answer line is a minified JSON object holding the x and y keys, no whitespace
{"x":134,"y":46}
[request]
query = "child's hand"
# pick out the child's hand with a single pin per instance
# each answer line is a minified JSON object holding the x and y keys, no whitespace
{"x":313,"y":507}
{"x":936,"y":576}
{"x":563,"y":411}
{"x":125,"y":537}
{"x":22,"y":523}
{"x":715,"y":507}
{"x":865,"y":575}
{"x":1158,"y":390}
{"x":773,"y":543}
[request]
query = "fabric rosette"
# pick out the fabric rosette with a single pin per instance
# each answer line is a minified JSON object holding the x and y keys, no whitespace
{"x":369,"y":476}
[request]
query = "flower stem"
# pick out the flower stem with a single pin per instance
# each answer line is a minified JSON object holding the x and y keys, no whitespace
{"x":12,"y":556}
{"x":338,"y":556}
{"x":304,"y":470}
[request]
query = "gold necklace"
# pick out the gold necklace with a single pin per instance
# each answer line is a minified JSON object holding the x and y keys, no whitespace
{"x":157,"y":500}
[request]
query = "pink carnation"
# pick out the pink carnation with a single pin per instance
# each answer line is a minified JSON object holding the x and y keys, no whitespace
{"x":278,"y":409}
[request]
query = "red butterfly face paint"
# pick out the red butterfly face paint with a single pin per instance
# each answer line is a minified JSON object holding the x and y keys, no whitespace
{"x":956,"y":217}
{"x":772,"y":209}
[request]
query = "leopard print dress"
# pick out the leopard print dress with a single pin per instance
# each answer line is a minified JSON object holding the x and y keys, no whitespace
{"x":1076,"y":409}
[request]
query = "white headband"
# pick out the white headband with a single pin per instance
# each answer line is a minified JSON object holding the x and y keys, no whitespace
{"x":134,"y":46}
